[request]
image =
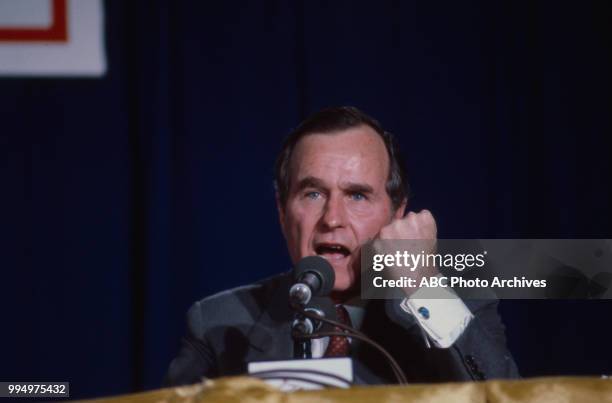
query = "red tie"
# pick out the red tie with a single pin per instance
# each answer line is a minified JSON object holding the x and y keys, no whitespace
{"x":339,"y":345}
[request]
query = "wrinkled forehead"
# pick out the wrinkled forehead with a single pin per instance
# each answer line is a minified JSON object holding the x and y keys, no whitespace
{"x":356,"y":155}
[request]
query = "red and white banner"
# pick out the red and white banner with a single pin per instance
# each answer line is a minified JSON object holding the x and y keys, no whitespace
{"x":52,"y":38}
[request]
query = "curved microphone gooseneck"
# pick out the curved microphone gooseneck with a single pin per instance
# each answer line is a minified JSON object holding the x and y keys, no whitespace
{"x":350,"y":332}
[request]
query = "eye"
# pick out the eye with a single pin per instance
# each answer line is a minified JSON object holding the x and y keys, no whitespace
{"x":313,"y":195}
{"x":358,"y":196}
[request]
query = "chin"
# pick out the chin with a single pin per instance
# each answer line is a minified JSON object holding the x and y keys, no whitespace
{"x":345,"y":277}
{"x":341,"y":286}
{"x":344,"y":282}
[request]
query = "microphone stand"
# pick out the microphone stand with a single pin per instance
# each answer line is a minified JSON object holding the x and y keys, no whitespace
{"x":347,"y":331}
{"x":303,"y":327}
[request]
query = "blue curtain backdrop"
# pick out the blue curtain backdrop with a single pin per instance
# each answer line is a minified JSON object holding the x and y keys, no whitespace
{"x":129,"y":197}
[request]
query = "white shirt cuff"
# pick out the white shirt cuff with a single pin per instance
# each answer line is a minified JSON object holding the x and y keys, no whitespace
{"x":440,"y":313}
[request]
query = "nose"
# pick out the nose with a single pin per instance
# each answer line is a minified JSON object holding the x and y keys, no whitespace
{"x":334,"y":215}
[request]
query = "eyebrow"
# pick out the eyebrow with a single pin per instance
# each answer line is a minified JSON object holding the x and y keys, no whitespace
{"x":310,"y":182}
{"x":351,"y":187}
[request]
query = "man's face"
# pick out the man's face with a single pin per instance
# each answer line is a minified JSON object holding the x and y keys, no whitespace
{"x":337,"y":200}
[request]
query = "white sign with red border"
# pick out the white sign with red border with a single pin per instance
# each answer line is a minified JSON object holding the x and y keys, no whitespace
{"x":52,"y":38}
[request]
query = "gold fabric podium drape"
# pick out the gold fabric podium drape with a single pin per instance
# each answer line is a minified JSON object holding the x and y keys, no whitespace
{"x":244,"y":389}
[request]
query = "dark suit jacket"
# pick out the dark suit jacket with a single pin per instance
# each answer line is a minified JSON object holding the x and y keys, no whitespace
{"x":253,"y":323}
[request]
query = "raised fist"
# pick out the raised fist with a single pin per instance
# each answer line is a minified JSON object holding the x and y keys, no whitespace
{"x":421,"y":226}
{"x":416,"y":234}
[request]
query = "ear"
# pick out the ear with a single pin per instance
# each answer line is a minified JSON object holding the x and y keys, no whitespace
{"x":281,"y":213}
{"x":401,"y":210}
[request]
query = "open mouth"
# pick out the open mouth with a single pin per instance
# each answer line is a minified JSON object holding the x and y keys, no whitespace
{"x":332,"y":250}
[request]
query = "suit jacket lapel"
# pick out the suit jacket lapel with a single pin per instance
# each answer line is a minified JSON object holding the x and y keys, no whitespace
{"x":270,"y":336}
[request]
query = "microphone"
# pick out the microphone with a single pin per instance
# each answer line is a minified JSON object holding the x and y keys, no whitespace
{"x":308,"y":320}
{"x":316,"y":317}
{"x":312,"y":276}
{"x":322,"y":308}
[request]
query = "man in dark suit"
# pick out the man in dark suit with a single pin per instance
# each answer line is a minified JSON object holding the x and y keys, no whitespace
{"x":340,"y":183}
